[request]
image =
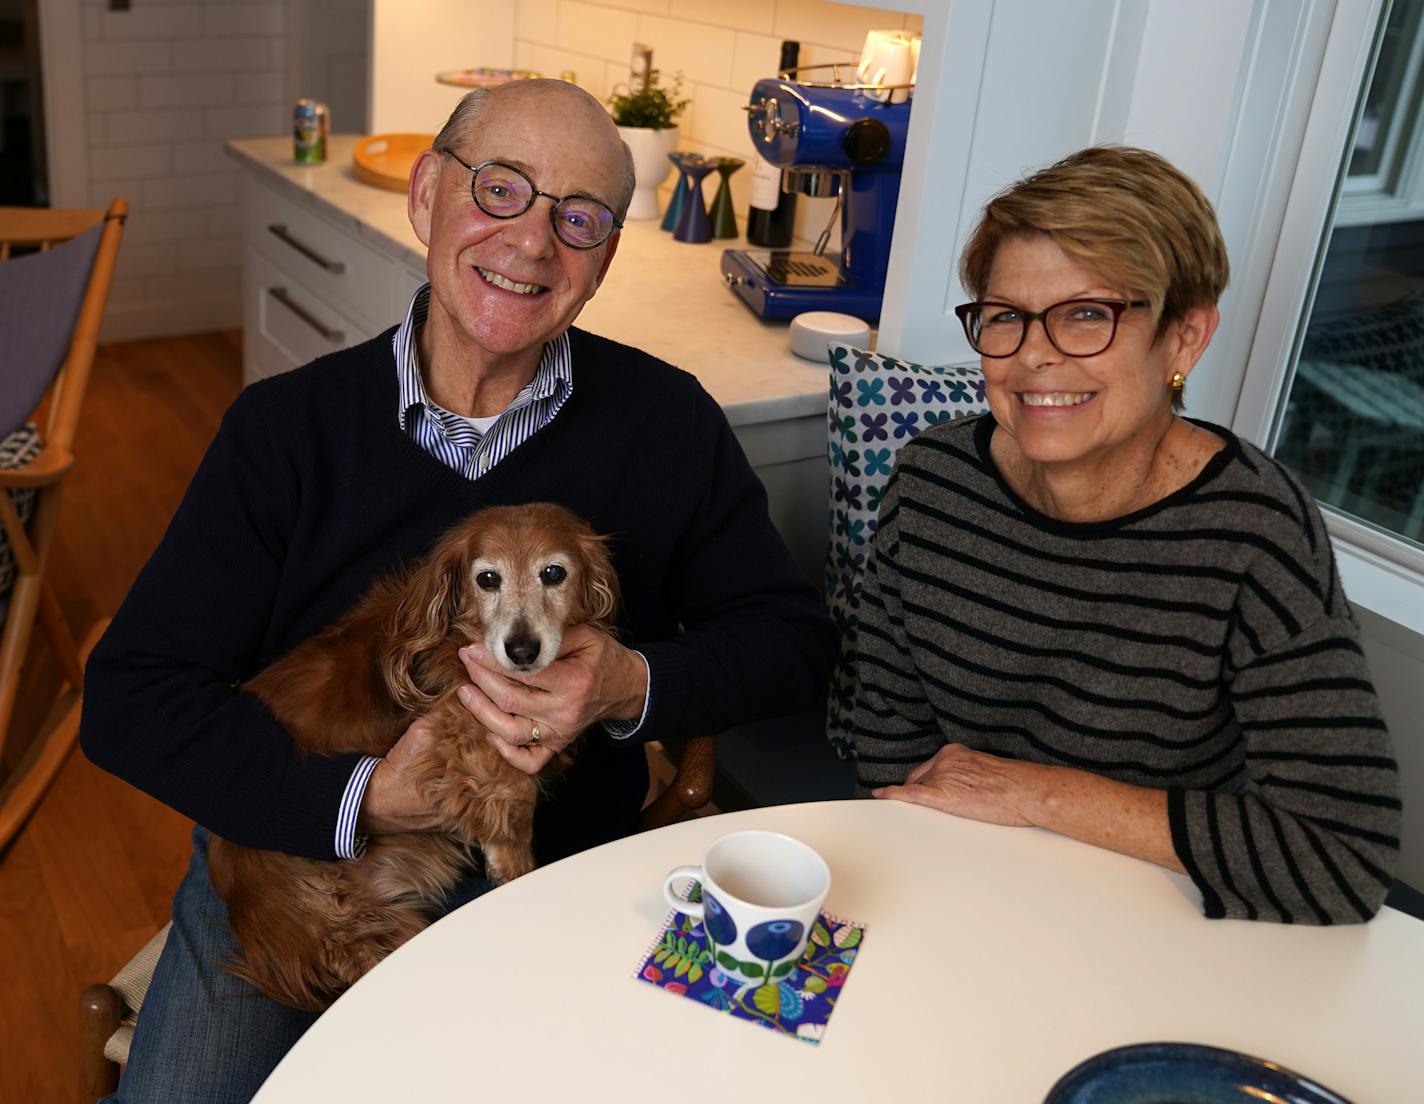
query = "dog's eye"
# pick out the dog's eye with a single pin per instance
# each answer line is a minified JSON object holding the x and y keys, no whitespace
{"x":553,"y":575}
{"x":487,"y":580}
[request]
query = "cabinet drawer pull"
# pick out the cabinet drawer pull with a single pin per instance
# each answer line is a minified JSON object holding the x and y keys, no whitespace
{"x":280,"y":294}
{"x":279,"y":231}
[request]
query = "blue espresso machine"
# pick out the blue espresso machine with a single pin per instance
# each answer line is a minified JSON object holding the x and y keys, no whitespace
{"x":828,"y":140}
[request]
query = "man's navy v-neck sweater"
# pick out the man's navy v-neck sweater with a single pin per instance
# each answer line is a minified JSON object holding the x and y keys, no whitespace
{"x":311,"y":489}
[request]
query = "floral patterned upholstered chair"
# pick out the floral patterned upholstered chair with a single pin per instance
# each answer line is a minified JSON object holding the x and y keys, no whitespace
{"x":877,"y":403}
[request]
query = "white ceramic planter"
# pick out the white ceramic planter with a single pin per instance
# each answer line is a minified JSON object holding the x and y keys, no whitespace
{"x":650,"y":166}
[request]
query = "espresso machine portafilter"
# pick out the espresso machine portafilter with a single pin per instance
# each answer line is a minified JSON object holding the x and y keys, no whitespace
{"x":829,"y":139}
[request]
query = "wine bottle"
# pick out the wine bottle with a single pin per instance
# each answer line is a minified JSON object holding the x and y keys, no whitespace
{"x":771,"y":213}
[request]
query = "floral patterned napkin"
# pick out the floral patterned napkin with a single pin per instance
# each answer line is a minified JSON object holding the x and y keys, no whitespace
{"x":799,"y":1006}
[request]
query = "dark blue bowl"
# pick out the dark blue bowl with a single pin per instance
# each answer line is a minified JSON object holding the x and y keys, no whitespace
{"x":1183,"y":1073}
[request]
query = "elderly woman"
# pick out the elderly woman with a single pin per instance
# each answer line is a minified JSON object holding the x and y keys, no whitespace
{"x":1090,"y":614}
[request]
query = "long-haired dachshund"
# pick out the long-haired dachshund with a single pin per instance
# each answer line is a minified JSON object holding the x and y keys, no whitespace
{"x":512,"y":577}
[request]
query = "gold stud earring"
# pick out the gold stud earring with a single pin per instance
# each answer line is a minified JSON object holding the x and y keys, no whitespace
{"x":1178,"y":382}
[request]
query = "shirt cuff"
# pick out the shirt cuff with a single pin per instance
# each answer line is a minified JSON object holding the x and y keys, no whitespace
{"x":349,"y":844}
{"x":621,"y":730}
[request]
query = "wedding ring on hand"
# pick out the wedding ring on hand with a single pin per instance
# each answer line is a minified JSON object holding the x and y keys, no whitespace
{"x":534,"y":733}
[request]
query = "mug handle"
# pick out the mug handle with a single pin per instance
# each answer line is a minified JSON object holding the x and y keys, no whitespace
{"x":692,"y":908}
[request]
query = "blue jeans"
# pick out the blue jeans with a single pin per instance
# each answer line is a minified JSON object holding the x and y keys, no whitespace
{"x":204,"y":1036}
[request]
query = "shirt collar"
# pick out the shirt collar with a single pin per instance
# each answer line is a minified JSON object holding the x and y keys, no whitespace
{"x":554,"y":374}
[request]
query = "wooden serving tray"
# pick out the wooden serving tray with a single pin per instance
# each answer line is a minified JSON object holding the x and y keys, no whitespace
{"x":384,"y":160}
{"x":484,"y":77}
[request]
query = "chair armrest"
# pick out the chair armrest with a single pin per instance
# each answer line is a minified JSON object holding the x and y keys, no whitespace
{"x":48,"y":467}
{"x":691,"y":786}
{"x":100,"y":1008}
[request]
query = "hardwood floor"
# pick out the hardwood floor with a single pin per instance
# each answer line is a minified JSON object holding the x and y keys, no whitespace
{"x":91,"y":875}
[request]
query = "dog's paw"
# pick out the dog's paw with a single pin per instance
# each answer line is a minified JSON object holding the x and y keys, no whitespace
{"x":505,"y":862}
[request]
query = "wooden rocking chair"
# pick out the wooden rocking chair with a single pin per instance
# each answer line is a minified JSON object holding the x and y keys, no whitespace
{"x":52,"y":299}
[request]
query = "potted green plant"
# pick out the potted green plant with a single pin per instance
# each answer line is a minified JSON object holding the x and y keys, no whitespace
{"x":647,"y":121}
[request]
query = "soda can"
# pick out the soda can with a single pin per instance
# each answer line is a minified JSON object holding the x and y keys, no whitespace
{"x":310,"y":124}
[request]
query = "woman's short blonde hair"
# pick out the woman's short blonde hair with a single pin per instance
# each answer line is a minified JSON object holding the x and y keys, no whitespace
{"x":1124,"y":212}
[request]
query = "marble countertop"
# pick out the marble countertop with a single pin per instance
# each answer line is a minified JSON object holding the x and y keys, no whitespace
{"x":661,"y":295}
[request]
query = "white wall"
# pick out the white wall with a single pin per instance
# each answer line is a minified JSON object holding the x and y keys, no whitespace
{"x":329,"y":58}
{"x":721,"y":48}
{"x":413,"y":40}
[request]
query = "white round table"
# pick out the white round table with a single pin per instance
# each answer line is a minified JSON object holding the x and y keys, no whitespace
{"x":994,"y":960}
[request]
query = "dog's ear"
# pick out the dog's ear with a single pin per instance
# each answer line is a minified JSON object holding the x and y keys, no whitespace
{"x":601,"y":595}
{"x":430,"y":600}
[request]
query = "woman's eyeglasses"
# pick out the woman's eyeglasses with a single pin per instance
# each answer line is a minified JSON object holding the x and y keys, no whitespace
{"x":503,"y":192}
{"x":1075,"y":327}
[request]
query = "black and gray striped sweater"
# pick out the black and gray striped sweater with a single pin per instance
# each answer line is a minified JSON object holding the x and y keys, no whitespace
{"x":1202,"y":645}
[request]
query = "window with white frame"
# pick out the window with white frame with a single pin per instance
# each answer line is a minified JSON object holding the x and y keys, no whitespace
{"x":1351,"y":421}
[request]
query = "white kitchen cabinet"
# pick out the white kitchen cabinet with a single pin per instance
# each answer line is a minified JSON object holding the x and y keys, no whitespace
{"x":312,"y":282}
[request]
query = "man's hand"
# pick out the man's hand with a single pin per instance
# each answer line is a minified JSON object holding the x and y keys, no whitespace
{"x":392,"y":803}
{"x":594,"y":678}
{"x":969,"y":784}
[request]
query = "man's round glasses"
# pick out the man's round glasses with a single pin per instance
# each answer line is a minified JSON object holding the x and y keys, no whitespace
{"x":503,"y":192}
{"x":1075,"y":327}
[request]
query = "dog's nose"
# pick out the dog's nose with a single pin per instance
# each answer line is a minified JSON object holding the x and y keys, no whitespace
{"x":522,"y":650}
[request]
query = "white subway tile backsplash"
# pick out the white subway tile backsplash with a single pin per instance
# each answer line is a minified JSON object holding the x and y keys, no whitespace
{"x":110,"y":93}
{"x":254,"y":88}
{"x":149,"y":227}
{"x":593,"y":29}
{"x":842,"y":25}
{"x":186,"y":90}
{"x":754,"y":56}
{"x":165,"y":83}
{"x":537,"y":21}
{"x":226,"y":282}
{"x":203,"y":255}
{"x":703,"y":54}
{"x":237,"y":20}
{"x":811,"y":54}
{"x":741,"y":15}
{"x":345,"y":26}
{"x":128,"y":128}
{"x":718,"y":119}
{"x":112,"y":58}
{"x":551,"y":61}
{"x":248,"y":122}
{"x":652,"y":7}
{"x":101,"y":192}
{"x":176,"y":192}
{"x":143,"y":260}
{"x":224,"y":219}
{"x":161,"y":21}
{"x":130,"y":162}
{"x":227,"y":55}
{"x":192,"y":158}
{"x":615,"y":76}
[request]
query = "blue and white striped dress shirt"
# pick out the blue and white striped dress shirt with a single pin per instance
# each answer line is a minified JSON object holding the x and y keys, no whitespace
{"x":460,"y":444}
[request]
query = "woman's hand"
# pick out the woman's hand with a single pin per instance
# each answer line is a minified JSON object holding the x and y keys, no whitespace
{"x":593,"y":679}
{"x":970,"y":784}
{"x":1131,"y":820}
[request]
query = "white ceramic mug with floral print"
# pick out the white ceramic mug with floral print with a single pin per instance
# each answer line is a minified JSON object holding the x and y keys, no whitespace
{"x":761,"y":895}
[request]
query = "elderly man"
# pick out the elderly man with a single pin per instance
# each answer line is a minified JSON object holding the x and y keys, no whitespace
{"x":323,"y":478}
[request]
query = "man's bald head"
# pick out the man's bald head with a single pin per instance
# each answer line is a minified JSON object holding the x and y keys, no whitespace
{"x":578,"y":109}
